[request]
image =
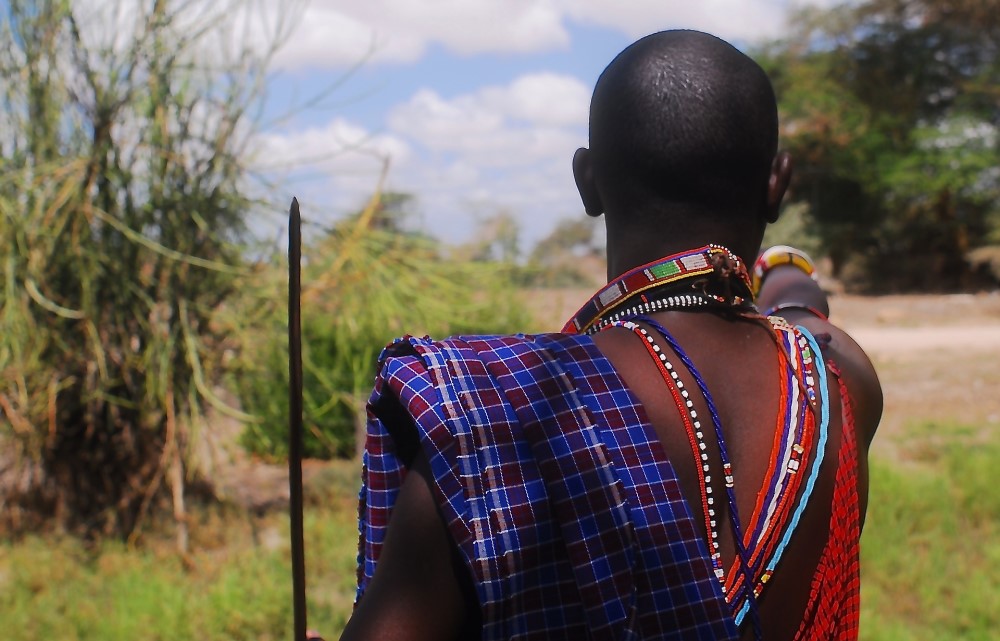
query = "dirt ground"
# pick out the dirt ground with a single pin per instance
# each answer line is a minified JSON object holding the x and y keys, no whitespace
{"x":938,"y":358}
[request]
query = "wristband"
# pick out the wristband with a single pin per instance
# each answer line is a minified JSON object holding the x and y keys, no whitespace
{"x":777,"y":256}
{"x":771,"y":311}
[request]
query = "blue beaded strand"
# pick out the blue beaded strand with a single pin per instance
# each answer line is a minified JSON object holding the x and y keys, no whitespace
{"x":819,"y":366}
{"x":723,"y":454}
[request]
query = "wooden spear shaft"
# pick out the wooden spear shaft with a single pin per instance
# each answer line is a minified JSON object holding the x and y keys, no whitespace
{"x":295,"y":418}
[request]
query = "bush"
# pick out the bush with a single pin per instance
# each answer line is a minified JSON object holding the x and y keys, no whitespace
{"x":363,"y":285}
{"x":122,"y":201}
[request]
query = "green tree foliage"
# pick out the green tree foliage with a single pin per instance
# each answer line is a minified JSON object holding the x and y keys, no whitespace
{"x":497,"y":239}
{"x":365,"y":282}
{"x":572,"y":255}
{"x":121,"y":194}
{"x":891,"y":111}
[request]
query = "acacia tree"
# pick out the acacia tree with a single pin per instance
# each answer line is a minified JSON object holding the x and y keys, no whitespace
{"x":571,"y":255}
{"x":123,"y":137}
{"x":891,"y":110}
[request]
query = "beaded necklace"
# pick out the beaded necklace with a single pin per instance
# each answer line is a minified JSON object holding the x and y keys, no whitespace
{"x":794,"y":436}
{"x":712,"y":278}
{"x":650,"y":305}
{"x":696,"y":438}
{"x":690,"y":271}
{"x":795,"y":433}
{"x":812,"y":353}
{"x":727,"y":468}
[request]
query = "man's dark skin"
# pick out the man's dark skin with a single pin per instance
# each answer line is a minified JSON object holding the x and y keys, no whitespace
{"x":421,"y":590}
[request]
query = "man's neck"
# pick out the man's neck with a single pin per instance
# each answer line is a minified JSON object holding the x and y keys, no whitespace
{"x":626,"y":251}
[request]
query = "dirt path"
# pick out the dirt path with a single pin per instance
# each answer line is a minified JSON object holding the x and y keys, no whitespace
{"x":938,"y":358}
{"x":915,"y":342}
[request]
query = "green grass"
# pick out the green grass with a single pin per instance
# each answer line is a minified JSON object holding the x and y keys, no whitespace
{"x":931,"y":546}
{"x":930,"y":559}
{"x":236,"y":586}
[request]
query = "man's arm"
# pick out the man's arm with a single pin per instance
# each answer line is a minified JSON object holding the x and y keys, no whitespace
{"x":777,"y":267}
{"x":797,"y":297}
{"x":420,"y":589}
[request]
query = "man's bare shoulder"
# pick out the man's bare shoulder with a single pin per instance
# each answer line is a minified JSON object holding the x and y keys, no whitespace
{"x":856,"y":368}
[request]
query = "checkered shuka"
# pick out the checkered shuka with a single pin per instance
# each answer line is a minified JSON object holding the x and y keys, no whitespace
{"x":554,"y":488}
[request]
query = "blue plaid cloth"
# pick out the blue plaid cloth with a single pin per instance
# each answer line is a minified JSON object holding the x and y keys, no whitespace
{"x":553,"y":485}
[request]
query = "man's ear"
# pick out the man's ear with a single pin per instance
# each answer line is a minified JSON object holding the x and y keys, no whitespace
{"x":777,"y":184}
{"x":583,"y":172}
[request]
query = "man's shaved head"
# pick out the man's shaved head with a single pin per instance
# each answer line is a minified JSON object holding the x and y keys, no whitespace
{"x":684,"y":118}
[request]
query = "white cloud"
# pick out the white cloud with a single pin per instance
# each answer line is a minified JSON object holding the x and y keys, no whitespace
{"x":744,"y":20}
{"x":326,"y":37}
{"x":472,"y":155}
{"x":339,"y":33}
{"x":528,"y":119}
{"x":332,"y":169}
{"x":500,"y":148}
{"x":543,"y":98}
{"x":338,"y":145}
{"x":442,"y":124}
{"x":335,"y":33}
{"x":729,"y":19}
{"x":330,"y":34}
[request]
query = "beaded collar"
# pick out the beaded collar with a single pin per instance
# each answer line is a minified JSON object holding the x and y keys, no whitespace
{"x":711,"y":273}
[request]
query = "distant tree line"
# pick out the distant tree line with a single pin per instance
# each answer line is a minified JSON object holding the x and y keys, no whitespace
{"x":891,"y":109}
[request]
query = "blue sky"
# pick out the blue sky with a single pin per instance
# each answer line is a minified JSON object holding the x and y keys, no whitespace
{"x":478,"y":105}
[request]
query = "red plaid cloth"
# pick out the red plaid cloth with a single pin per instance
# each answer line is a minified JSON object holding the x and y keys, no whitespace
{"x":834,"y":607}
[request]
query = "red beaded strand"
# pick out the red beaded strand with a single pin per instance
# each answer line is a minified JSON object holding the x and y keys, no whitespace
{"x":692,"y":426}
